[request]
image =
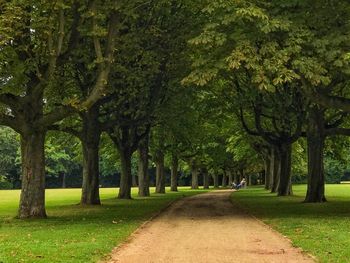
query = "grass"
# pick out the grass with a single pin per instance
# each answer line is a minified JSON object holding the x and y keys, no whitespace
{"x":322,"y":230}
{"x":73,"y":233}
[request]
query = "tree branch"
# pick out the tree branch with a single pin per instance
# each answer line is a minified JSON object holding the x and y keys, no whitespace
{"x":337,"y":131}
{"x":68,"y":130}
{"x":244,"y":124}
{"x":8,"y":121}
{"x":9,"y":100}
{"x":56,"y":115}
{"x":98,"y":90}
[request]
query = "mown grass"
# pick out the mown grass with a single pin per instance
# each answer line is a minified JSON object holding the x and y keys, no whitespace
{"x":323,"y":230}
{"x":73,"y":233}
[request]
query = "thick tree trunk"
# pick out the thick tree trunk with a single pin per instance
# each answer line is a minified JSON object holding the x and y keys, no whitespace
{"x":143,"y":168}
{"x":90,"y":141}
{"x":32,"y":200}
{"x":194,"y":173}
{"x":315,"y":144}
{"x":285,"y":184}
{"x":224,"y":180}
{"x":90,"y":190}
{"x":216,"y":180}
{"x":205,"y":178}
{"x":125,"y":177}
{"x":160,"y":175}
{"x":174,"y":172}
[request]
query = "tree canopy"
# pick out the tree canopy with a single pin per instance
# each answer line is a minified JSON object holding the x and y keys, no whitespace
{"x":103,"y":91}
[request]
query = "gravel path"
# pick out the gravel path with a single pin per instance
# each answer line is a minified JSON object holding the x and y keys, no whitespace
{"x":206,"y":228}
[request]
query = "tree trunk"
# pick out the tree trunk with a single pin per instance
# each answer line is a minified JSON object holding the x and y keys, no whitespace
{"x":275,"y":171}
{"x":90,"y":190}
{"x":143,"y":168}
{"x":216,"y":180}
{"x":32,"y":200}
{"x":63,"y":180}
{"x":268,"y":172}
{"x":249,"y":180}
{"x":315,"y":144}
{"x":285,"y":184}
{"x":90,"y":141}
{"x":125,"y":177}
{"x":174,"y":171}
{"x":236,"y":178}
{"x":230,"y":179}
{"x":224,"y":180}
{"x":160,"y":175}
{"x":205,"y":178}
{"x":194,"y":173}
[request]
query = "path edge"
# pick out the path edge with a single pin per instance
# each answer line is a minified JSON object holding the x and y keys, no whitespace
{"x":154,"y":215}
{"x":247,"y":212}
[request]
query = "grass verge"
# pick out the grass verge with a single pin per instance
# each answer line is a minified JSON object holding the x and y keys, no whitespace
{"x":73,"y":233}
{"x":322,"y":230}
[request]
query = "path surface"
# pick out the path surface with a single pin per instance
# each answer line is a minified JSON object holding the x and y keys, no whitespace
{"x":206,"y":228}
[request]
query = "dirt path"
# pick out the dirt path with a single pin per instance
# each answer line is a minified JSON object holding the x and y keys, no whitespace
{"x":206,"y":228}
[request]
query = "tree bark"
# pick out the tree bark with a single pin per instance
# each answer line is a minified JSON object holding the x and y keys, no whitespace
{"x":268,"y":172}
{"x":160,"y":175}
{"x":285,"y":184}
{"x":143,"y":168}
{"x":125,"y":177}
{"x":90,"y":141}
{"x":174,"y":172}
{"x":32,"y":200}
{"x":275,"y":171}
{"x":205,"y":178}
{"x":315,"y":144}
{"x":194,"y":173}
{"x":216,"y":180}
{"x":126,"y":138}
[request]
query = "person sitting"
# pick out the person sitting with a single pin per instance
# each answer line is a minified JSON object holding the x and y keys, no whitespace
{"x":243,"y":183}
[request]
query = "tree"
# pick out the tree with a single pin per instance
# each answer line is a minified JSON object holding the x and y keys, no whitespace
{"x":35,"y":49}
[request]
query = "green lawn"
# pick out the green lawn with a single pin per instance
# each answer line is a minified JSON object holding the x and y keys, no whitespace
{"x":73,"y":233}
{"x":320,"y":229}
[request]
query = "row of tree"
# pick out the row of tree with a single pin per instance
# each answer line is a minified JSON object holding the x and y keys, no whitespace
{"x":285,"y":68}
{"x":221,"y":85}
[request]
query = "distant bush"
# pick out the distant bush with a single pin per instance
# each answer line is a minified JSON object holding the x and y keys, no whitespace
{"x":4,"y":184}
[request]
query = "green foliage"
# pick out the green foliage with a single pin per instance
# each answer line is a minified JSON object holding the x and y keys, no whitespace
{"x":61,"y":154}
{"x":9,"y":149}
{"x":4,"y":183}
